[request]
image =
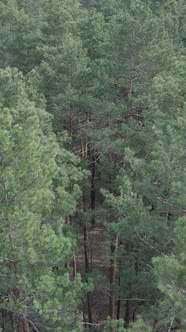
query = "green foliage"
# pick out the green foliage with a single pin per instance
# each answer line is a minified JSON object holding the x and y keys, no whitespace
{"x":32,"y":241}
{"x":112,"y":74}
{"x":117,"y":326}
{"x":147,"y":193}
{"x":170,"y":272}
{"x":140,"y":326}
{"x":20,"y":35}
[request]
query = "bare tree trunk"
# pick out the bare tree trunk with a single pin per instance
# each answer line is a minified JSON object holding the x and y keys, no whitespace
{"x":85,"y":234}
{"x":85,"y":153}
{"x":20,"y":324}
{"x":113,"y":248}
{"x":24,"y":326}
{"x":127,"y":314}
{"x":74,"y":264}
{"x":87,"y":267}
{"x":69,"y":221}
{"x":119,"y":287}
{"x":89,"y":307}
{"x":87,"y":270}
{"x":3,"y":319}
{"x":93,"y":192}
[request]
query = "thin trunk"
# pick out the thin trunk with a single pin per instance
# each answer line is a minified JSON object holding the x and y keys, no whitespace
{"x":113,"y":248}
{"x":13,"y":322}
{"x":89,"y":307}
{"x":84,"y":154}
{"x":91,"y":252}
{"x":119,"y":287}
{"x":93,"y":192}
{"x":3,"y":315}
{"x":85,"y":233}
{"x":69,"y":221}
{"x":127,"y":314}
{"x":74,"y":264}
{"x":87,"y":270}
{"x":91,"y":157}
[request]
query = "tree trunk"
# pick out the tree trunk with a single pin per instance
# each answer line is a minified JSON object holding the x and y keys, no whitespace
{"x":3,"y":319}
{"x":85,"y":233}
{"x":113,"y":247}
{"x":119,"y":287}
{"x":87,"y":270}
{"x":93,"y":192}
{"x":127,"y":314}
{"x":24,"y":326}
{"x":74,"y":264}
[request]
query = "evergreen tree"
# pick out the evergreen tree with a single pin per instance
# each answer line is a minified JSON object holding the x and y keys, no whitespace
{"x":37,"y":289}
{"x":145,"y":125}
{"x":171,"y":275}
{"x":20,"y":33}
{"x":112,"y":74}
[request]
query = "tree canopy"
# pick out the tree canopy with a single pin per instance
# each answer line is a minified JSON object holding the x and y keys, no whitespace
{"x":92,"y":165}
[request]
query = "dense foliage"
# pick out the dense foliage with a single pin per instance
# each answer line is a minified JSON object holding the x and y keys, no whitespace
{"x":92,"y":165}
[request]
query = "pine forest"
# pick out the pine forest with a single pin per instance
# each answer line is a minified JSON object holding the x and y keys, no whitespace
{"x":92,"y":165}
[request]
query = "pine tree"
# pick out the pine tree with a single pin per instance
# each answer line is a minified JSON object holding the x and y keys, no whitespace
{"x":37,"y":289}
{"x":112,"y":74}
{"x":143,"y":204}
{"x":170,"y":272}
{"x":20,"y":33}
